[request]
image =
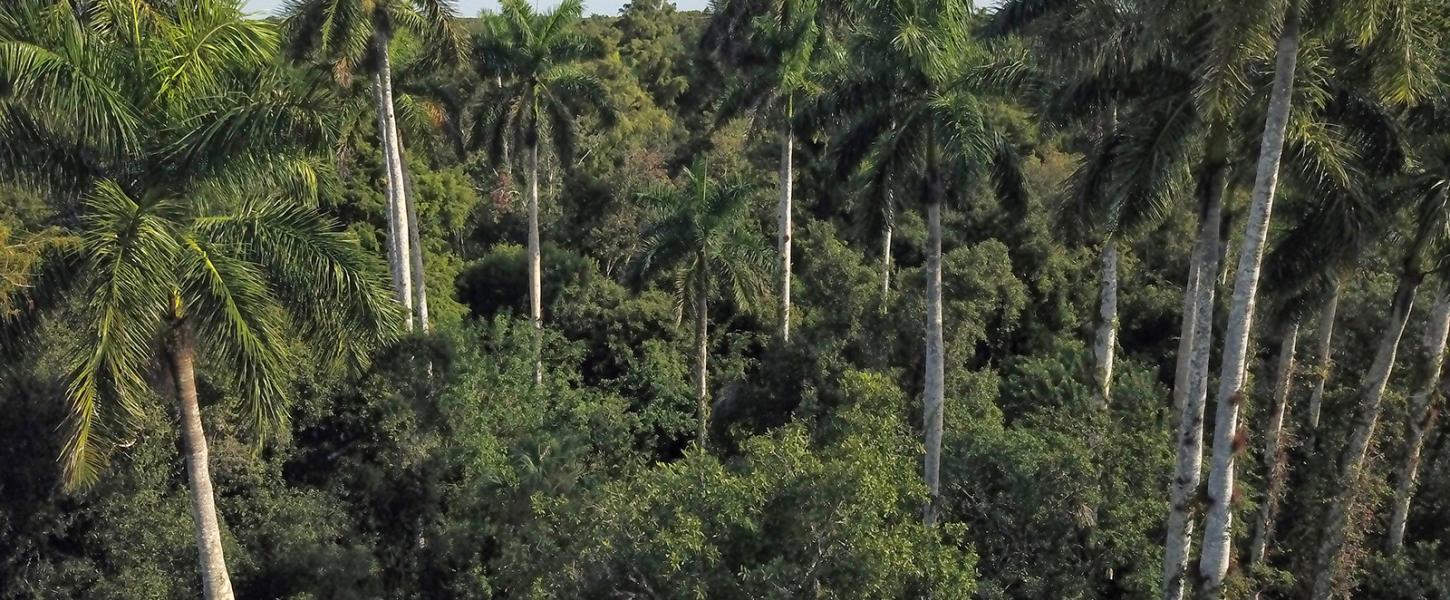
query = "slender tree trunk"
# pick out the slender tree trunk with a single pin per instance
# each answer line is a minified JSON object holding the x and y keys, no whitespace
{"x":1365,"y":418}
{"x":415,"y":246}
{"x":1188,"y":323}
{"x":1106,"y":338}
{"x":1325,"y":359}
{"x":1420,"y":419}
{"x":1274,"y":455}
{"x":395,"y":168}
{"x":1191,"y":390}
{"x":1218,"y":525}
{"x":702,"y":351}
{"x":934,"y":394}
{"x":536,"y":302}
{"x":216,"y":584}
{"x":783,"y":224}
{"x":886,"y":259}
{"x":397,"y":257}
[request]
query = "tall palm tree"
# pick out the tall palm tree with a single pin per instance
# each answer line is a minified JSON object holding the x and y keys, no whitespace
{"x":536,"y":58}
{"x":917,"y":103}
{"x":196,"y":235}
{"x":354,"y":37}
{"x":775,"y":64}
{"x":701,"y":232}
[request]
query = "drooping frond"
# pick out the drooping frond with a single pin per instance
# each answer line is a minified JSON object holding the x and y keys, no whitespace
{"x":128,"y":249}
{"x":317,"y":271}
{"x":236,"y":320}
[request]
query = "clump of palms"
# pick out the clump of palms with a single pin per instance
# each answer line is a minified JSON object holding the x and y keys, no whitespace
{"x":196,"y":232}
{"x":352,"y":37}
{"x":532,"y":85}
{"x":702,"y":235}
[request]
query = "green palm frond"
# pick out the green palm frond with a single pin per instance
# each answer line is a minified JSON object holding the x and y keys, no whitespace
{"x":236,"y":319}
{"x":701,"y":230}
{"x":53,"y":77}
{"x":212,"y":33}
{"x":129,"y":247}
{"x":313,"y":266}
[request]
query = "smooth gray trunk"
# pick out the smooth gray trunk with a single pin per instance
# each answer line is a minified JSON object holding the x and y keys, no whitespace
{"x":1324,"y":361}
{"x":1193,"y":380}
{"x":396,"y":257}
{"x":1365,"y":418}
{"x":783,"y":226}
{"x":1188,"y":323}
{"x":1274,"y":455}
{"x":702,"y":351}
{"x":934,"y":392}
{"x":536,"y":302}
{"x":399,"y":202}
{"x":1420,"y":418}
{"x":216,"y":584}
{"x":415,"y":246}
{"x":1105,"y":339}
{"x":886,"y":263}
{"x":1218,"y":524}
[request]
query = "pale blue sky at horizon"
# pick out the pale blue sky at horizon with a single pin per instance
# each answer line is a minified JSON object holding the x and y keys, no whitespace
{"x":471,"y":8}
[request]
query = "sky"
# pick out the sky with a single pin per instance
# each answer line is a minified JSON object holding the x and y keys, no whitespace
{"x":469,"y":8}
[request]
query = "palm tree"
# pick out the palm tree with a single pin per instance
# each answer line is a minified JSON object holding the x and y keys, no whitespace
{"x":536,"y":56}
{"x":354,"y":37}
{"x":917,"y":103}
{"x":195,"y":232}
{"x":702,"y":234}
{"x":785,"y":39}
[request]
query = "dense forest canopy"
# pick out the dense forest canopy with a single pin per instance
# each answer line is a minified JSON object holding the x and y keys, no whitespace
{"x":784,"y":298}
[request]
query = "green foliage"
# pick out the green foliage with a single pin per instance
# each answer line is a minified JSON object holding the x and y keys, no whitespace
{"x":153,"y":176}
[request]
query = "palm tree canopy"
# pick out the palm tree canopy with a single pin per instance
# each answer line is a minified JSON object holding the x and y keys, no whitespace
{"x":348,"y":35}
{"x":195,"y":210}
{"x":932,"y":105}
{"x":702,"y":228}
{"x":536,"y":57}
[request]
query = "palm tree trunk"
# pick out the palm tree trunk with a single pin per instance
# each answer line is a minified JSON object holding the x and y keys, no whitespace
{"x":1324,"y":361}
{"x":1274,"y":455}
{"x":1421,"y":418}
{"x":1107,"y":330}
{"x":393,"y":149}
{"x":1218,"y":525}
{"x":216,"y":584}
{"x":934,"y":394}
{"x":415,"y":247}
{"x":1191,"y":389}
{"x":397,"y":253}
{"x":1365,"y":419}
{"x":702,"y":350}
{"x":783,"y":224}
{"x":886,"y":258}
{"x":536,"y":302}
{"x":1188,"y":323}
